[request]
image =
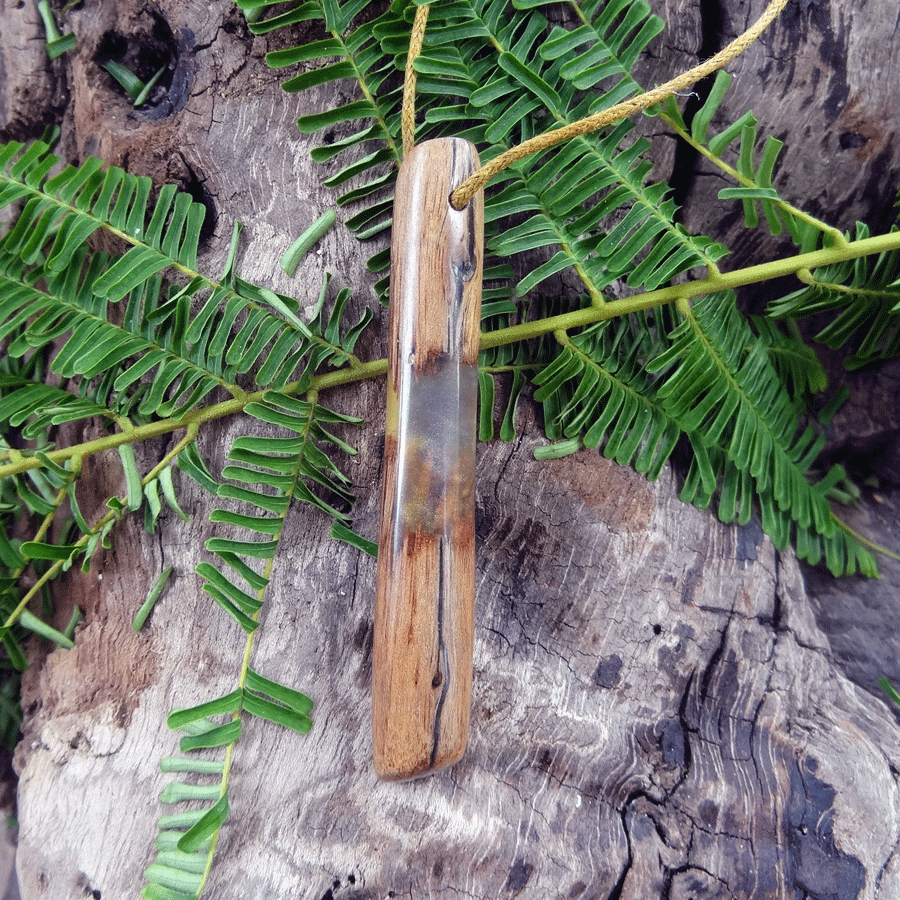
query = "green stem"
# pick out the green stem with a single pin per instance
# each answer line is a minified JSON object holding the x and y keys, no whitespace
{"x":18,"y":462}
{"x":724,"y":281}
{"x":877,"y":548}
{"x":57,"y":566}
{"x":39,"y":535}
{"x":834,"y":234}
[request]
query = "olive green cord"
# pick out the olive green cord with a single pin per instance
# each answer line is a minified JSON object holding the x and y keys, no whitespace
{"x":474,"y":183}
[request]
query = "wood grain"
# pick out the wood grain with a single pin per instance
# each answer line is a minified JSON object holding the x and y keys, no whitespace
{"x":422,"y":658}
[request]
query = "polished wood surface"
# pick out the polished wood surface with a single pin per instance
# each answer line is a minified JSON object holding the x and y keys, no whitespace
{"x":422,"y":662}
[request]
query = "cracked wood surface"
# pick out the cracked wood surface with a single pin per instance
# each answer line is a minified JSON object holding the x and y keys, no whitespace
{"x":657,"y":713}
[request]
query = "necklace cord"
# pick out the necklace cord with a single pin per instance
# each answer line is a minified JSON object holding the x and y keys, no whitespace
{"x":475,"y":182}
{"x":408,"y":111}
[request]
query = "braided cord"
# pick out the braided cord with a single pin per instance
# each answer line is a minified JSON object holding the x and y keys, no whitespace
{"x":408,"y":112}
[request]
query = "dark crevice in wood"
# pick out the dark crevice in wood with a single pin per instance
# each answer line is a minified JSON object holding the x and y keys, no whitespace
{"x":195,"y":185}
{"x":619,"y":886}
{"x":143,"y":52}
{"x":777,"y":610}
{"x":684,"y":164}
{"x":685,"y":730}
{"x":710,"y":669}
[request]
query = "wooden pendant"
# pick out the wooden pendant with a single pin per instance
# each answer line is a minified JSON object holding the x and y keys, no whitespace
{"x":422,"y":657}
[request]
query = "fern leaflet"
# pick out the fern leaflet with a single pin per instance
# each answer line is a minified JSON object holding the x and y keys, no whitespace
{"x":264,"y":475}
{"x":863,"y":294}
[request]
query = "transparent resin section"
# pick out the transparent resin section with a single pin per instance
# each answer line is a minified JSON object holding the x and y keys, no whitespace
{"x":436,"y":449}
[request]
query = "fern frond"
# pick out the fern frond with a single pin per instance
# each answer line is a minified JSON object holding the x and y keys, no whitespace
{"x":565,"y":199}
{"x":755,"y":189}
{"x":863,"y":297}
{"x":187,"y":840}
{"x":34,"y":406}
{"x":495,"y":77}
{"x":36,"y":496}
{"x":263,"y":474}
{"x":69,"y":207}
{"x":69,"y":301}
{"x":795,"y":361}
{"x":597,"y":391}
{"x":635,"y":388}
{"x":606,"y":46}
{"x":266,"y":473}
{"x":719,"y":383}
{"x":172,"y":346}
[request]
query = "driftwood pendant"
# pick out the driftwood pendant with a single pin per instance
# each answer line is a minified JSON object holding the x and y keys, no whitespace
{"x":422,"y":656}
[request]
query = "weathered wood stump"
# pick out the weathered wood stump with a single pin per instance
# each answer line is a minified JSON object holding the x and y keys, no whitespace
{"x":657,"y":712}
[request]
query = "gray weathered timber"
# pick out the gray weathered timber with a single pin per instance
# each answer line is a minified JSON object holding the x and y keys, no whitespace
{"x":657,"y":712}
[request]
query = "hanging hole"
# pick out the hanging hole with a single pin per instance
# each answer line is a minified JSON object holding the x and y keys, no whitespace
{"x":452,"y":204}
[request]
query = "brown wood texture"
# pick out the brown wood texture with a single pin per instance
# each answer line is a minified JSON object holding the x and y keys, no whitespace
{"x":425,"y":594}
{"x":658,"y":713}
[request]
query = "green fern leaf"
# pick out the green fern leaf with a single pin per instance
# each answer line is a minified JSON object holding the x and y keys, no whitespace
{"x":219,"y":736}
{"x":211,"y":821}
{"x":274,"y":712}
{"x":34,"y":406}
{"x":723,"y":390}
{"x":863,"y":298}
{"x":599,"y":393}
{"x":533,"y":81}
{"x":72,"y":205}
{"x":162,"y":360}
{"x":797,"y":364}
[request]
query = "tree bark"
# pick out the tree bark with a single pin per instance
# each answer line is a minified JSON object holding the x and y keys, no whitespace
{"x":657,"y":711}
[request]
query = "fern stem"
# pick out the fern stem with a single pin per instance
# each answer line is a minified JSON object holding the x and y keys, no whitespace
{"x":137,"y":433}
{"x":724,"y":281}
{"x":44,"y":527}
{"x":347,"y":375}
{"x":864,"y":540}
{"x":19,"y":462}
{"x":807,"y":277}
{"x":98,"y":526}
{"x":39,"y":535}
{"x":848,"y":250}
{"x":505,"y":370}
{"x":835,"y":235}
